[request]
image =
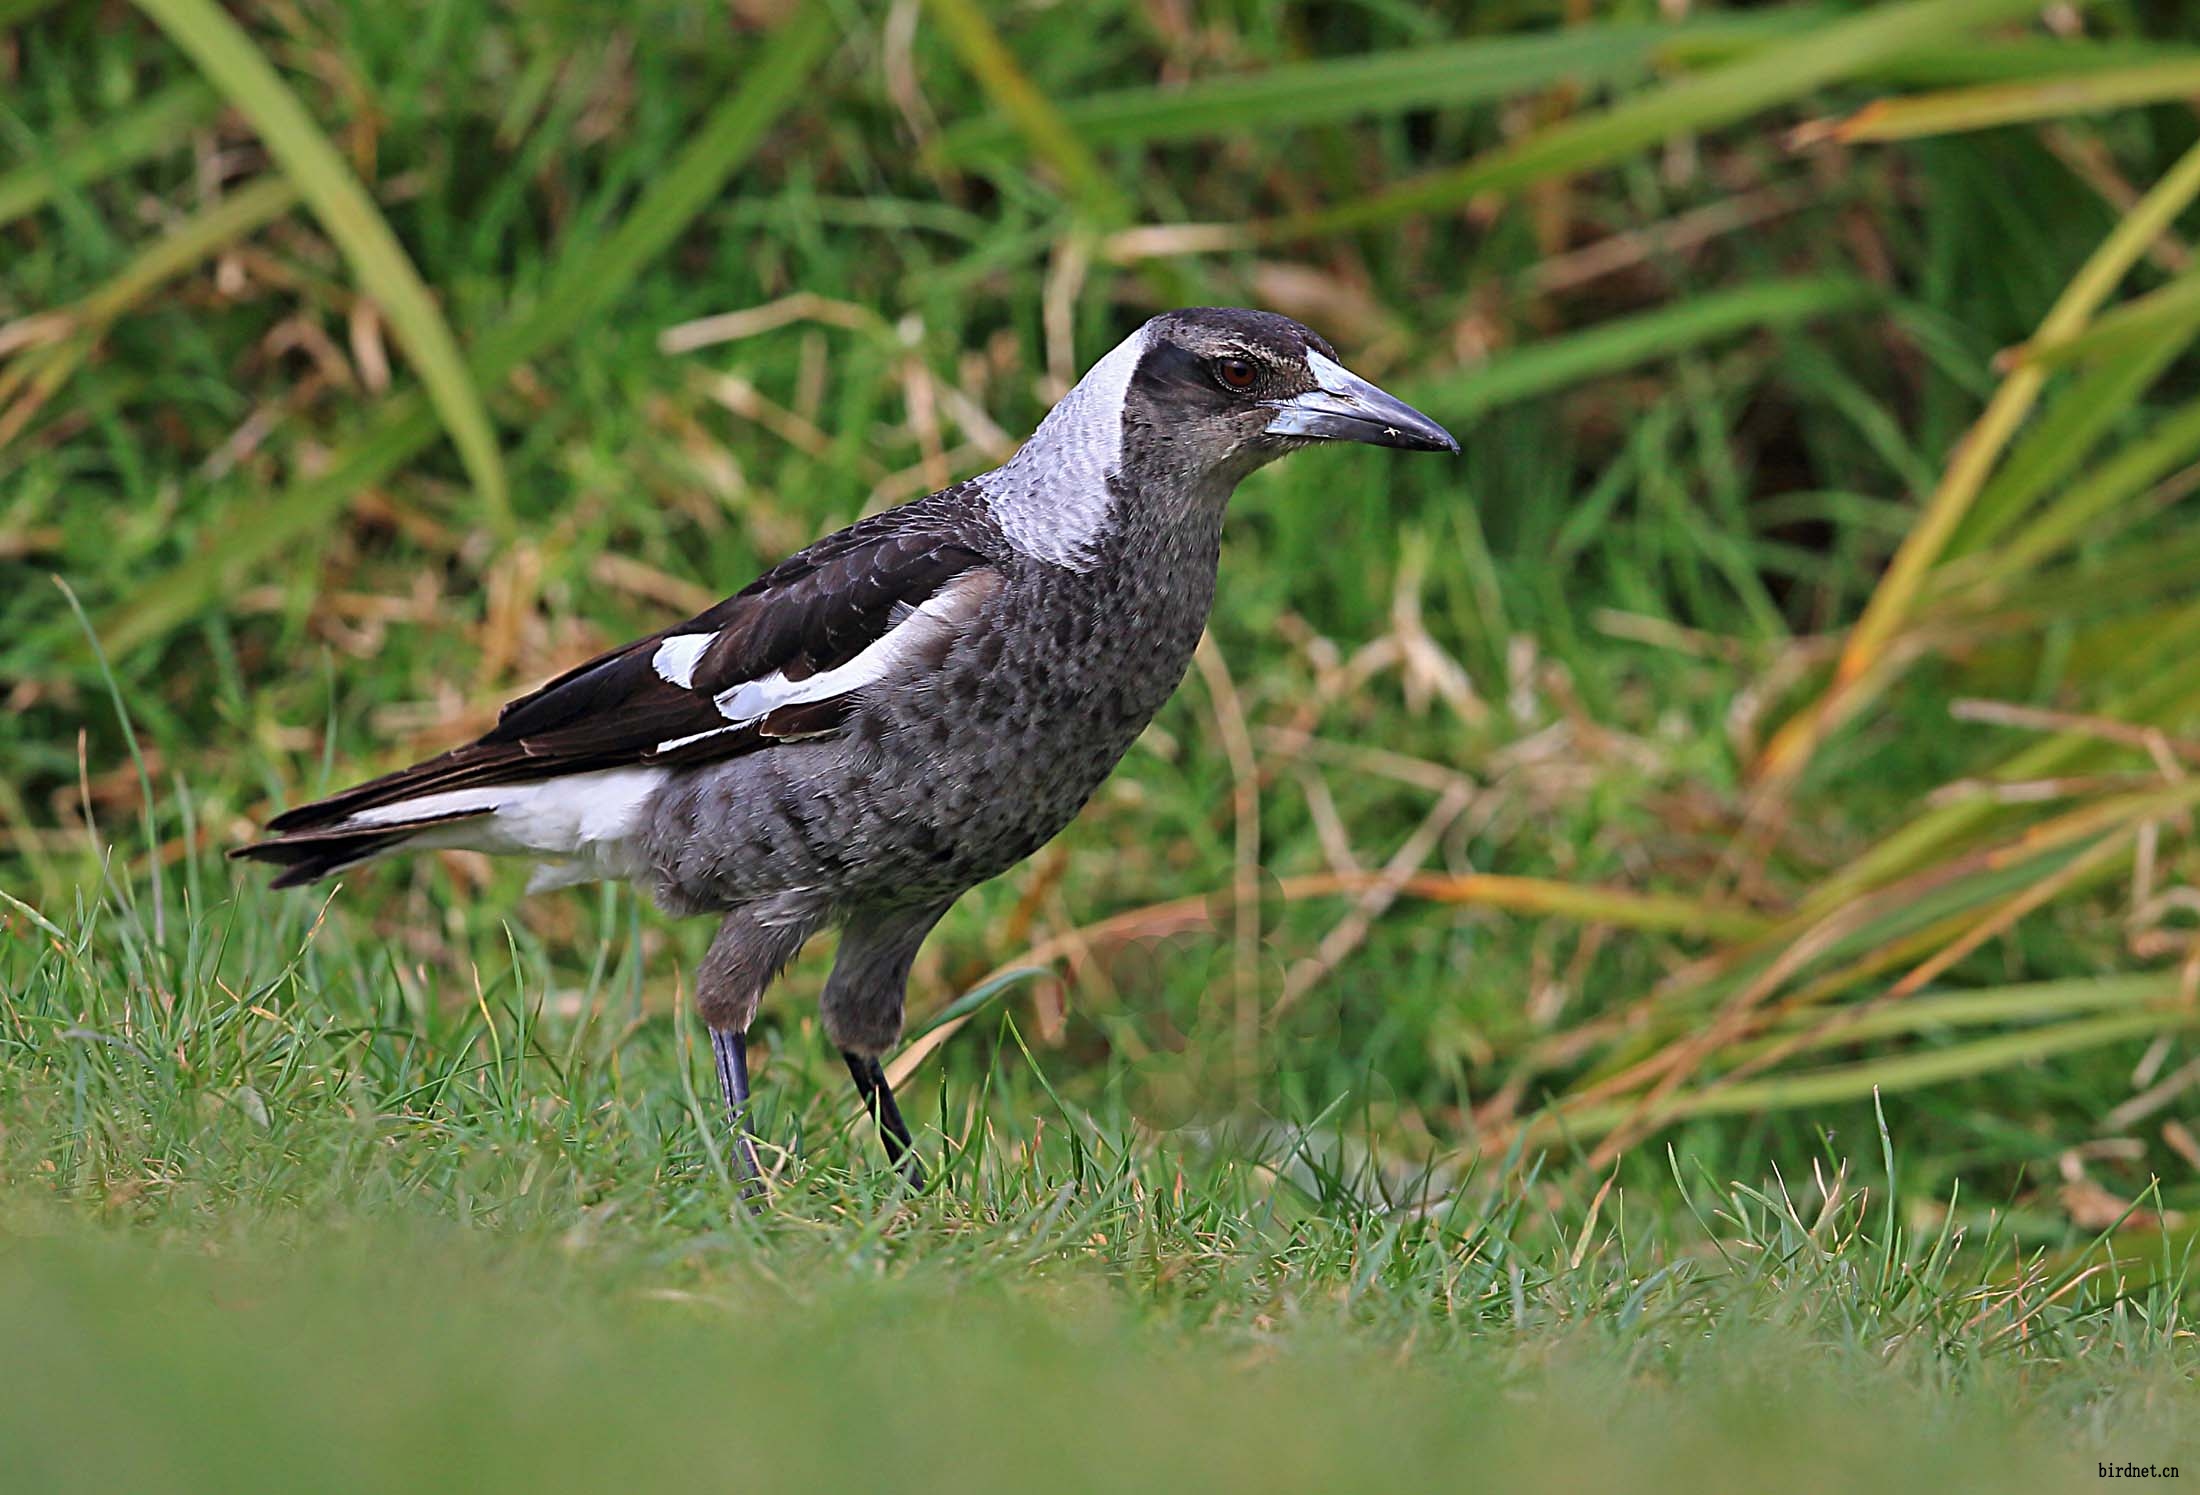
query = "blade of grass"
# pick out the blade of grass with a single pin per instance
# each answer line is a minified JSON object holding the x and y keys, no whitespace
{"x":2033,"y":1002}
{"x":2005,"y":58}
{"x":137,"y":760}
{"x":592,"y":276}
{"x":2026,"y":57}
{"x":153,"y":127}
{"x":944,"y":1023}
{"x":589,"y":278}
{"x":42,"y":371}
{"x":2140,"y":572}
{"x":2107,"y":855}
{"x":1049,"y":135}
{"x":1654,"y":1019}
{"x":1852,"y":1082}
{"x":2131,"y":471}
{"x":1542,"y":367}
{"x":1622,"y":908}
{"x":1375,"y":83}
{"x":2058,"y":442}
{"x":1778,"y":73}
{"x":2166,"y":315}
{"x":186,"y":245}
{"x":227,"y":56}
{"x":1827,"y":927}
{"x":2093,"y":283}
{"x":1984,"y":108}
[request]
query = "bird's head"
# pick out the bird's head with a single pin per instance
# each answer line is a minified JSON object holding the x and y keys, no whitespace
{"x":1180,"y":411}
{"x":1222,"y":390}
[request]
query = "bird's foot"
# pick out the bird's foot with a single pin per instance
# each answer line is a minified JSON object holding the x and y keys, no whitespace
{"x":878,"y":1099}
{"x":732,"y":1053}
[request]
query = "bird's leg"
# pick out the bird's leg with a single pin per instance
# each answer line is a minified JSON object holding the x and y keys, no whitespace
{"x":878,"y":1099}
{"x":862,"y":1006}
{"x":732,"y":1053}
{"x":755,"y":940}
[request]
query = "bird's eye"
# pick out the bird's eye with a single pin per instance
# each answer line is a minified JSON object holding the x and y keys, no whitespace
{"x":1235,"y":373}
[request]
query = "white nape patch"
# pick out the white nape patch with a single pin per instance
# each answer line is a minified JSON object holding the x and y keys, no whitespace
{"x":677,"y":656}
{"x":1051,"y":499}
{"x":586,"y":821}
{"x":1332,"y":375}
{"x":949,"y":608}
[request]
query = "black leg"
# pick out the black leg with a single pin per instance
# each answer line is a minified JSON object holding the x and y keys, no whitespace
{"x":878,"y":1099}
{"x":732,"y":1051}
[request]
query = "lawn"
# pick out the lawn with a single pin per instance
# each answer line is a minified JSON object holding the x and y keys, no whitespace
{"x":1661,"y":953}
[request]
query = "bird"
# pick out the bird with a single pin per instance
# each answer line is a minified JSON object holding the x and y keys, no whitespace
{"x":902,"y":710}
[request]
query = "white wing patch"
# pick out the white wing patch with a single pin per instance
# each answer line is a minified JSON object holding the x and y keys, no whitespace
{"x":584,"y":827}
{"x":1051,"y":499}
{"x":676,"y":657}
{"x":919,"y":627}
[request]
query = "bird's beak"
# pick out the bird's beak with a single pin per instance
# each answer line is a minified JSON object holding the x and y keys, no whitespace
{"x":1344,"y":407}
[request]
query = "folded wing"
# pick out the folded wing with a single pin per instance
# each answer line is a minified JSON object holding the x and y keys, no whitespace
{"x":782,"y":660}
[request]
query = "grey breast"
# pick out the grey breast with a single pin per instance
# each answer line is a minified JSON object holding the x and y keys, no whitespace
{"x":940,"y":782}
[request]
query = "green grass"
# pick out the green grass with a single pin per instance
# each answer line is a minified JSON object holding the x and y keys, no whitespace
{"x":317,"y":1229}
{"x":1672,"y":1041}
{"x":480,"y":1371}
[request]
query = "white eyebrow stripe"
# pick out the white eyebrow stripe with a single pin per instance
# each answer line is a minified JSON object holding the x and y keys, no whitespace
{"x":752,"y":700}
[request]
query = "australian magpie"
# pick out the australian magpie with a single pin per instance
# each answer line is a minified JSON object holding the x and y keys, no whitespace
{"x":904,"y":709}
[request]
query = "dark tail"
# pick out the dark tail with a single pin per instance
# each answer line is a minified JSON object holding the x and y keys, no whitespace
{"x":321,"y":839}
{"x":310,"y":858}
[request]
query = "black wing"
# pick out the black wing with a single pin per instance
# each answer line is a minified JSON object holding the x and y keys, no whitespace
{"x":813,"y":612}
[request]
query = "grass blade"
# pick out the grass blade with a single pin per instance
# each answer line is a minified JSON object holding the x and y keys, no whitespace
{"x":1384,"y":84}
{"x":2029,"y":1003}
{"x":1376,"y":84}
{"x":42,"y":371}
{"x":1984,"y":108}
{"x":1852,"y":1082}
{"x":2113,"y":481}
{"x":591,"y":277}
{"x":1623,"y":342}
{"x":1014,"y":94}
{"x":2058,"y":442}
{"x":1786,"y":71}
{"x":155,"y":126}
{"x":1619,"y":907}
{"x":2167,"y":315}
{"x":227,"y":56}
{"x":2023,"y":58}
